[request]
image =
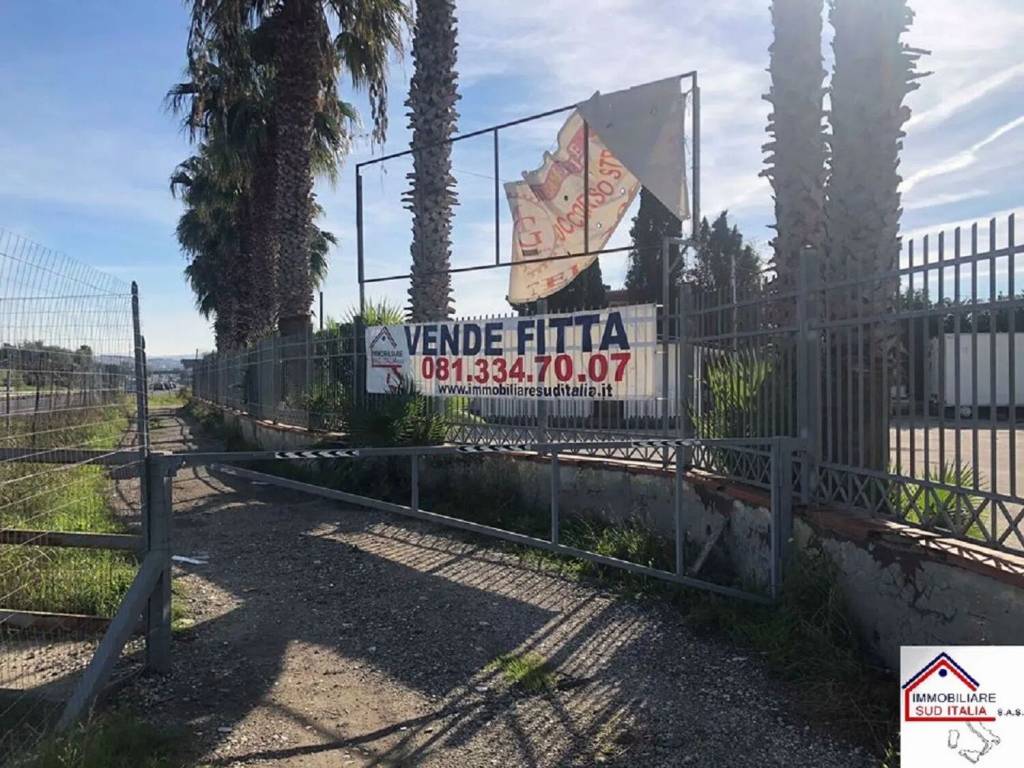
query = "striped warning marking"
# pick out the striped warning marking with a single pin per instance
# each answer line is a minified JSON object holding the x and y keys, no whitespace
{"x":512,"y":448}
{"x":354,"y":453}
{"x":319,"y":453}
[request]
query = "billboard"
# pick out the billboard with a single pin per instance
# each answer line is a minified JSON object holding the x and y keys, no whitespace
{"x":635,"y":137}
{"x":547,"y":213}
{"x":606,"y":354}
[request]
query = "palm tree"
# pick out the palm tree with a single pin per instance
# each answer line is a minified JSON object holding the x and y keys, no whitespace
{"x":212,"y":232}
{"x":304,"y":59}
{"x":229,"y":100}
{"x":292,"y":39}
{"x":797,"y":151}
{"x":208,"y":234}
{"x":225,"y":103}
{"x":432,"y":118}
{"x":874,"y":72}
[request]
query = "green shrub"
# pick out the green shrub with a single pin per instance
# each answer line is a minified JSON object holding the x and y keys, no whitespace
{"x":948,"y":507}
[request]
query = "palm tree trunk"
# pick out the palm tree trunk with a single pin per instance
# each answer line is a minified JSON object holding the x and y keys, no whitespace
{"x":432,"y":117}
{"x":796,"y":161}
{"x":874,"y":72}
{"x":300,"y":60}
{"x":264,"y":308}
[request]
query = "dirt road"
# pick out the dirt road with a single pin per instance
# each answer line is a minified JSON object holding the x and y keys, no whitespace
{"x":334,"y":636}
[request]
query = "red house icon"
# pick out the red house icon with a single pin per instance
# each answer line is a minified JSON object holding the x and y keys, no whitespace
{"x":942,"y":666}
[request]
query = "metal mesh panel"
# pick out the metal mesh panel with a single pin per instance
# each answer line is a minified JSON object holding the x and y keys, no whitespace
{"x":66,"y":411}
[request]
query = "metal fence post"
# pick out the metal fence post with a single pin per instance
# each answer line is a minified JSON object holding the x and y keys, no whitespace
{"x":666,"y":302}
{"x":158,"y":540}
{"x":677,"y":506}
{"x":684,"y":374}
{"x":775,"y":514}
{"x":807,"y":373}
{"x":276,"y":375}
{"x":414,"y":502}
{"x":781,"y":472}
{"x":556,"y":489}
{"x":141,"y":410}
{"x":309,"y":390}
{"x":541,"y":432}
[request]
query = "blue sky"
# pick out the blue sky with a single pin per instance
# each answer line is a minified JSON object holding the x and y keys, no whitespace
{"x":86,"y":146}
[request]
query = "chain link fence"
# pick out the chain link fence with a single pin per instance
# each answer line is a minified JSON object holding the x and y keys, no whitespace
{"x":70,"y":468}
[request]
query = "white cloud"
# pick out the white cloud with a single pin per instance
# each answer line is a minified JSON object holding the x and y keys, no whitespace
{"x":948,"y":198}
{"x":963,"y":159}
{"x":958,"y":100}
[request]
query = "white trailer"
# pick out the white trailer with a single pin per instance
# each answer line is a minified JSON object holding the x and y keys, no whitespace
{"x":965,"y":378}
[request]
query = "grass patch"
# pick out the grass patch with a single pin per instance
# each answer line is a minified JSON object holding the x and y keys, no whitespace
{"x":943,"y":507}
{"x":168,"y":398}
{"x":809,"y":640}
{"x":71,"y":498}
{"x":181,"y":619}
{"x":527,"y":672}
{"x":115,"y":740}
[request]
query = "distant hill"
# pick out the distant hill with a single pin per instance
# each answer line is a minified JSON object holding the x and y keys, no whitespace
{"x":167,"y":362}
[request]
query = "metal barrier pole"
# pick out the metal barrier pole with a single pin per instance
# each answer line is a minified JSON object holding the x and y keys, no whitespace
{"x":158,"y":542}
{"x":556,"y":488}
{"x":775,"y":473}
{"x":414,"y":502}
{"x":141,"y":409}
{"x":666,"y":301}
{"x":677,"y":504}
{"x":684,"y":373}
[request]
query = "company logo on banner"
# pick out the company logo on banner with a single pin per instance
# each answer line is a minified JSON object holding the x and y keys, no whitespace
{"x":962,"y":706}
{"x":597,"y":355}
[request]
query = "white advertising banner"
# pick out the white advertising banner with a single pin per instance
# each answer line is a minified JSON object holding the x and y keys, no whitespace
{"x":547,"y":212}
{"x":604,"y":354}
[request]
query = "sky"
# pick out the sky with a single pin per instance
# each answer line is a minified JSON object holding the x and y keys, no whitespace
{"x":87,"y":145}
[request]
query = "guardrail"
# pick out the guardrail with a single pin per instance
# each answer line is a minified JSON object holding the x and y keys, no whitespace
{"x":780,"y":458}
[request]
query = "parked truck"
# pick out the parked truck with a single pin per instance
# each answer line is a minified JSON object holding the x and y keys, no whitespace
{"x":974,"y":379}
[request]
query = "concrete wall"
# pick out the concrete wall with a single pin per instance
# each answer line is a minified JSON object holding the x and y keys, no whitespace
{"x":903,"y":586}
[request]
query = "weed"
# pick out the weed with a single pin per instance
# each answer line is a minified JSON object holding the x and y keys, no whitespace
{"x":171,"y":399}
{"x":63,"y":498}
{"x":116,"y":740}
{"x":809,"y":639}
{"x":527,"y":672}
{"x":181,"y":620}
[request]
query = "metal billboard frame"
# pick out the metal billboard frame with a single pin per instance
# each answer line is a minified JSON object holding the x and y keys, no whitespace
{"x":494,"y":131}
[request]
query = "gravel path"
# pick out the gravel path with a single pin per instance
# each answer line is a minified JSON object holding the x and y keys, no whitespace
{"x":335,"y":636}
